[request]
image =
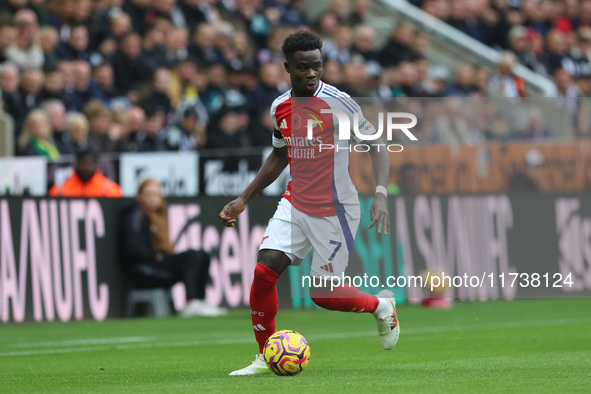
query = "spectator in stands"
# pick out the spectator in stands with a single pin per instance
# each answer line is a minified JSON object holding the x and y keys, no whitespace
{"x":434,"y":84}
{"x":504,"y":82}
{"x":500,"y":130}
{"x":57,"y":119}
{"x":241,"y":53}
{"x":86,"y":88}
{"x":148,"y":140}
{"x":154,"y":51}
{"x":105,"y":51}
{"x":338,"y":48}
{"x":69,"y":96}
{"x":59,"y":12}
{"x":358,"y":12}
{"x":398,"y":47}
{"x":157,"y":94}
{"x":182,"y":136}
{"x":77,"y":129}
{"x":182,"y":82}
{"x":556,"y":50}
{"x":10,"y":94}
{"x":271,"y":52}
{"x":169,"y":10}
{"x":466,"y":17}
{"x":25,"y":53}
{"x":7,"y":37}
{"x":128,"y":67}
{"x":177,"y":45}
{"x":266,"y":91}
{"x":327,"y":24}
{"x":464,"y":82}
{"x":363,"y":43}
{"x":77,"y":46}
{"x":528,"y":179}
{"x":518,"y":43}
{"x":537,"y":128}
{"x":452,"y":125}
{"x":202,"y":47}
{"x":53,"y":86}
{"x":333,"y":74}
{"x":105,"y":80}
{"x":12,"y":6}
{"x":339,"y":7}
{"x":193,"y":13}
{"x":584,"y":36}
{"x":228,"y":133}
{"x":481,"y":81}
{"x":31,"y":85}
{"x":87,"y":180}
{"x":120,"y":25}
{"x":568,"y":93}
{"x":260,"y":133}
{"x":408,"y":80}
{"x":407,"y":181}
{"x":219,"y":93}
{"x":36,"y":138}
{"x":135,"y":126}
{"x":285,"y":12}
{"x":138,"y":13}
{"x":356,"y":80}
{"x":149,"y":257}
{"x":100,"y":119}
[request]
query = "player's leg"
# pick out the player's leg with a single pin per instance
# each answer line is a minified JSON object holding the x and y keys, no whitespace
{"x":264,"y":304}
{"x":283,"y":242}
{"x":332,"y":239}
{"x":263,"y":293}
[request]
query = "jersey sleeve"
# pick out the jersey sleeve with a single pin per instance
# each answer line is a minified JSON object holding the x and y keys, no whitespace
{"x":278,"y":139}
{"x":277,"y":136}
{"x":351,"y":108}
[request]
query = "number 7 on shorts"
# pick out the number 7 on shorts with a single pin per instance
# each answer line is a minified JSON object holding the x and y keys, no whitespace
{"x":338,"y":246}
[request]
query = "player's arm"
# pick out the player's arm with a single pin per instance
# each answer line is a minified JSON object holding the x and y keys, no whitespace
{"x":380,"y":161}
{"x":270,"y":170}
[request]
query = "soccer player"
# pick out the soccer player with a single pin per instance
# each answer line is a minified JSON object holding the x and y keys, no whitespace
{"x":320,"y":208}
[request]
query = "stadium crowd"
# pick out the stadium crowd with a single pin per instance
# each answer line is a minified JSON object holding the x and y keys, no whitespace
{"x":180,"y":75}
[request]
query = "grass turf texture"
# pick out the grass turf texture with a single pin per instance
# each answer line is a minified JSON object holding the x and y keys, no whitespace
{"x":519,"y":346}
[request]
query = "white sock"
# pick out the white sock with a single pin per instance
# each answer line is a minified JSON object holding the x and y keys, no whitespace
{"x":383,"y":306}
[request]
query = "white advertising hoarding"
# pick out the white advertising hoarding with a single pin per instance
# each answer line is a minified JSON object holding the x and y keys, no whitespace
{"x":23,"y":175}
{"x":178,"y":172}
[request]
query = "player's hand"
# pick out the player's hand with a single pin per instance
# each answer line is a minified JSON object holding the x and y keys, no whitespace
{"x":231,"y":212}
{"x":379,"y":214}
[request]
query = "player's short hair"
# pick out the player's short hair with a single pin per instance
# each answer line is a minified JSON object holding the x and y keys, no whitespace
{"x":301,"y":40}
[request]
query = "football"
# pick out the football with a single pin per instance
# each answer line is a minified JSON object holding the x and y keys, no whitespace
{"x":286,"y":353}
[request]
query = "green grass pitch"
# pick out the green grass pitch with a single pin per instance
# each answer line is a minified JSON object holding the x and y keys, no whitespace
{"x":520,"y":346}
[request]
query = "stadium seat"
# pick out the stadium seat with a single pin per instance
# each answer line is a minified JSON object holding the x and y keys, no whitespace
{"x":159,"y":300}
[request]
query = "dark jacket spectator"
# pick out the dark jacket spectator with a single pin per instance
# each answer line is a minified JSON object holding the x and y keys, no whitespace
{"x":128,"y":68}
{"x":77,"y":46}
{"x":182,"y":136}
{"x":149,"y":256}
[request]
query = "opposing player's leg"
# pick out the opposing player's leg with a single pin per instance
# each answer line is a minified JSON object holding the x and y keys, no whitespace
{"x":332,"y":239}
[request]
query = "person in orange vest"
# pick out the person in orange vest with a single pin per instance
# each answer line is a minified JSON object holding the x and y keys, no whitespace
{"x":87,"y":180}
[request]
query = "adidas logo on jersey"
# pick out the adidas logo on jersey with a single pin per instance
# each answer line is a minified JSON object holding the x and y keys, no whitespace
{"x":327,"y":267}
{"x":283,"y":124}
{"x":259,"y":327}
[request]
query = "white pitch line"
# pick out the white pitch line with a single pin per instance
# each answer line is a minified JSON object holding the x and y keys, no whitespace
{"x":311,"y":337}
{"x":90,"y":341}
